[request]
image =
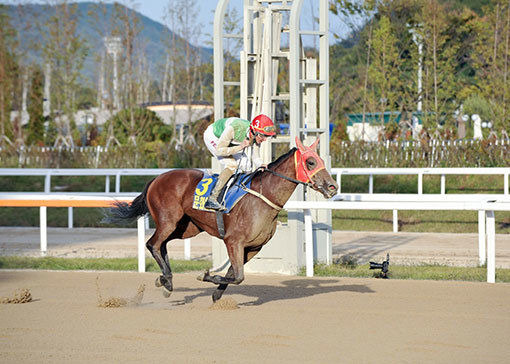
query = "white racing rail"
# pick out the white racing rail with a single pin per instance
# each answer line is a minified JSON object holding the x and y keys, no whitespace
{"x":484,"y":204}
{"x":45,"y":200}
{"x":420,"y":172}
{"x":485,"y":207}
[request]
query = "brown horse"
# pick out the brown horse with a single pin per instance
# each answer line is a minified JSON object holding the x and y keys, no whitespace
{"x":248,"y":226}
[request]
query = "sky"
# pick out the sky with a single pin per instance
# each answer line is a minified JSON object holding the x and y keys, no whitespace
{"x":154,"y":9}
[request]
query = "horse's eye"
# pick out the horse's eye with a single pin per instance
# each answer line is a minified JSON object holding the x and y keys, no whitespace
{"x":310,"y":163}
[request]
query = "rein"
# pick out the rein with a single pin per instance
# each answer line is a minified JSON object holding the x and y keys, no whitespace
{"x":264,"y":198}
{"x":306,"y":184}
{"x":301,"y":173}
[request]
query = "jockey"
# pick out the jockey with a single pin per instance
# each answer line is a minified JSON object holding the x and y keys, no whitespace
{"x":226,"y":139}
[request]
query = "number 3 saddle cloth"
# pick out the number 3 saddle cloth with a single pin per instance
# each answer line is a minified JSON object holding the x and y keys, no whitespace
{"x":230,"y":195}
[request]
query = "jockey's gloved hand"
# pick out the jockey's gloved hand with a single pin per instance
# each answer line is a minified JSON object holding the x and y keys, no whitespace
{"x":245,"y":143}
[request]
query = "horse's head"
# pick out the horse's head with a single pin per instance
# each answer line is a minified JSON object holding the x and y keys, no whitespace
{"x":310,"y":169}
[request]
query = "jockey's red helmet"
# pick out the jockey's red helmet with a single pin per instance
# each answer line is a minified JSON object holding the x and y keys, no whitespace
{"x":262,"y":124}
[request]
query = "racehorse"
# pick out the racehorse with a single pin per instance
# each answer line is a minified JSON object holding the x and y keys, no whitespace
{"x":249,"y":225}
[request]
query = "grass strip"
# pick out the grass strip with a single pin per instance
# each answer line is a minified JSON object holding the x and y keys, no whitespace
{"x":115,"y":264}
{"x":416,"y":272}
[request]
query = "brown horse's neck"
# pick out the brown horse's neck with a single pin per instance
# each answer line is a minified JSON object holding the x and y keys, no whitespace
{"x":277,"y":189}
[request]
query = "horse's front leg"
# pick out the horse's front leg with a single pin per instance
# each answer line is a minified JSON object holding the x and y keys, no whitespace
{"x":222,"y":287}
{"x":235,"y":274}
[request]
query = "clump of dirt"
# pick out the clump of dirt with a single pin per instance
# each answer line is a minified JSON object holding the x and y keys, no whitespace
{"x":116,"y":302}
{"x":224,"y":304}
{"x":21,"y":295}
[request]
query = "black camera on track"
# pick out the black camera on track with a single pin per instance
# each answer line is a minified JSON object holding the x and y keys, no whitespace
{"x":384,"y":267}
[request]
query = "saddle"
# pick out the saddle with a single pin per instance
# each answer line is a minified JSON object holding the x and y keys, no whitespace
{"x":230,"y":195}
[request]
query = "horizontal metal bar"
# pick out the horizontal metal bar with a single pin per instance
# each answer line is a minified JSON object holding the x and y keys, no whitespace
{"x":397,"y":205}
{"x":412,"y":197}
{"x":238,"y":36}
{"x":313,"y":82}
{"x":313,"y":130}
{"x":282,"y":97}
{"x":312,"y":32}
{"x":416,"y":171}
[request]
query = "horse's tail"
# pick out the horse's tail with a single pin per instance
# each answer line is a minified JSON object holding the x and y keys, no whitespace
{"x":124,"y":213}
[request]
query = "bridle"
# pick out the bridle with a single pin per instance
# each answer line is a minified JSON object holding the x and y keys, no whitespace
{"x":303,"y":175}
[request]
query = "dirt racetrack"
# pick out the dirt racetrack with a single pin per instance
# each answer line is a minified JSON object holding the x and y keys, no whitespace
{"x":279,"y":319}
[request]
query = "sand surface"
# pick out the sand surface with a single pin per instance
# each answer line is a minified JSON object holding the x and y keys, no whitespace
{"x":279,"y":319}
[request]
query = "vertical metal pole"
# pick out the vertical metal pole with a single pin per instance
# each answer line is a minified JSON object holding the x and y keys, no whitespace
{"x":219,"y":103}
{"x":309,"y":242}
{"x":43,"y":229}
{"x":107,"y":184}
{"x":443,"y":184}
{"x":47,"y":183}
{"x":295,"y":117}
{"x":117,"y":182}
{"x":481,"y":238}
{"x":491,"y":247}
{"x":69,"y":217}
{"x":371,"y":184}
{"x":420,"y":183}
{"x":187,"y":249}
{"x":141,"y":244}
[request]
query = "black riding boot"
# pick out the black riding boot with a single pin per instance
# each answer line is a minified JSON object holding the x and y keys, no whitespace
{"x":212,"y":202}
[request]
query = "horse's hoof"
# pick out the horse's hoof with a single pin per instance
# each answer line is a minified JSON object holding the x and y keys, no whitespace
{"x":201,"y":277}
{"x":158,"y":282}
{"x":166,"y":292}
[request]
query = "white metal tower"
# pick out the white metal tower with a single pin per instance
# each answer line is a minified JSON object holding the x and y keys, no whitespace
{"x":272,"y":40}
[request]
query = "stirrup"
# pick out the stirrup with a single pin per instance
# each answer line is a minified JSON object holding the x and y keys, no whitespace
{"x":212,"y":204}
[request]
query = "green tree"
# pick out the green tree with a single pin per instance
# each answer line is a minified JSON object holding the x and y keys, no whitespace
{"x":439,"y":65}
{"x":35,"y":129}
{"x":492,"y":62}
{"x":149,"y":126}
{"x":65,"y":51}
{"x":183,"y":62}
{"x":384,"y":68}
{"x":7,"y":70}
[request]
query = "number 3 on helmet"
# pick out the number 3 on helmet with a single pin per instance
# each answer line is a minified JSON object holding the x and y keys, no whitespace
{"x":262,"y":124}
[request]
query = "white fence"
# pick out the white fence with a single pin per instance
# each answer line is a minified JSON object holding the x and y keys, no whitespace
{"x":420,"y":172}
{"x":485,"y":208}
{"x":483,"y":203}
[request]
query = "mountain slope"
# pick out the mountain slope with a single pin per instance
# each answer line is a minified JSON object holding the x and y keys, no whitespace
{"x":31,"y":22}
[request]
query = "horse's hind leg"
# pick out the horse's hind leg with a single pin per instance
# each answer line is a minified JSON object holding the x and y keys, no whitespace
{"x":157,"y":246}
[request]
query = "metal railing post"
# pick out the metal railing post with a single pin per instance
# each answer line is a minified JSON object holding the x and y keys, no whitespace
{"x":141,"y":244}
{"x":70,"y":216}
{"x":491,"y":247}
{"x":482,"y":253}
{"x":43,"y":229}
{"x":395,"y":221}
{"x":308,"y":242}
{"x":187,"y":249}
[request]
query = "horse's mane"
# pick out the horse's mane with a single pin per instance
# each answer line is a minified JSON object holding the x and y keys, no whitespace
{"x":281,"y":158}
{"x":275,"y":163}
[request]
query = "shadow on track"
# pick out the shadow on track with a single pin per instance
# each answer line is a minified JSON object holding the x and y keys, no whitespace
{"x":291,"y":289}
